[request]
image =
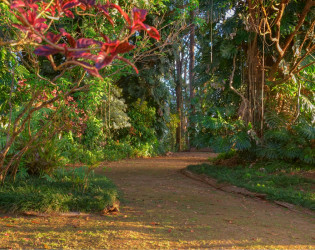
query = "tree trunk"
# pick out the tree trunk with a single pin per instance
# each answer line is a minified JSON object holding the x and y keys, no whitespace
{"x":179,"y":101}
{"x":191,"y":70}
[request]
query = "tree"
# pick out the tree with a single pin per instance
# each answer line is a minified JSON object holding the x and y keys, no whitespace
{"x":36,"y":30}
{"x":192,"y":45}
{"x":243,"y":93}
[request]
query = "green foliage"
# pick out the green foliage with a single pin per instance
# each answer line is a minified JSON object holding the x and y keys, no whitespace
{"x":172,"y":125}
{"x":288,"y":122}
{"x":223,"y":156}
{"x":44,"y":158}
{"x":115,"y":151}
{"x":61,"y":192}
{"x":118,"y":110}
{"x":142,"y":135}
{"x":142,"y":119}
{"x":131,"y":115}
{"x":294,"y":144}
{"x":279,"y":142}
{"x":75,"y":152}
{"x":93,"y":136}
{"x":222,"y":133}
{"x":83,"y":126}
{"x":228,"y":50}
{"x":279,"y":180}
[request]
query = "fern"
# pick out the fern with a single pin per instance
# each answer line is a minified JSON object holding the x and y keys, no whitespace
{"x":221,"y":144}
{"x":291,"y":151}
{"x":274,"y":120}
{"x":241,"y":141}
{"x":213,"y":123}
{"x":306,"y":130}
{"x":228,"y":50}
{"x":308,"y":155}
{"x":308,"y":106}
{"x":270,"y":151}
{"x":279,"y":135}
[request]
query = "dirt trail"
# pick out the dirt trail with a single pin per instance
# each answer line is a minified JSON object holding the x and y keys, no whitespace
{"x":192,"y":214}
{"x":164,"y":209}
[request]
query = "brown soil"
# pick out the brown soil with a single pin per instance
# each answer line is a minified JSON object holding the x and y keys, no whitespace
{"x":161,"y":208}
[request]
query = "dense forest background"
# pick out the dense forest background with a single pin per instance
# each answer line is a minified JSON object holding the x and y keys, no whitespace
{"x":235,"y":76}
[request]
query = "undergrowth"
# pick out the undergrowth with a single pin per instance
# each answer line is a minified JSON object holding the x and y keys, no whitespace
{"x":279,"y":180}
{"x":65,"y":190}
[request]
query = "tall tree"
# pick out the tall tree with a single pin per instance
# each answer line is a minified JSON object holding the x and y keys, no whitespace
{"x":179,"y":96}
{"x":192,"y":67}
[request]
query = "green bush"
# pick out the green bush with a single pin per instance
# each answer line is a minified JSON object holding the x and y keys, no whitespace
{"x":279,"y":141}
{"x":224,"y":156}
{"x":75,"y":152}
{"x":93,"y":135}
{"x":43,"y":159}
{"x":290,"y":145}
{"x":141,"y":137}
{"x":115,"y":151}
{"x":66,"y":190}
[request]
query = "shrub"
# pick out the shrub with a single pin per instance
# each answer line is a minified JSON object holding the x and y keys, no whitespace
{"x":65,"y":190}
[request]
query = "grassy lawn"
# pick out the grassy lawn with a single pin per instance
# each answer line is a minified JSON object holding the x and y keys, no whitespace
{"x":279,"y":180}
{"x":64,"y":191}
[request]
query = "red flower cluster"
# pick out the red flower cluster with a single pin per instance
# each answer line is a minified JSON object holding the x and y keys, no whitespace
{"x":78,"y":52}
{"x":21,"y":84}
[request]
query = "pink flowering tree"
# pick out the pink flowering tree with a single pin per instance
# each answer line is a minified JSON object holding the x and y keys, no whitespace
{"x":37,"y":36}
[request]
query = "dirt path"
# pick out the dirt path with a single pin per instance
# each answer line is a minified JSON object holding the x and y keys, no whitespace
{"x":192,"y":214}
{"x":164,"y":209}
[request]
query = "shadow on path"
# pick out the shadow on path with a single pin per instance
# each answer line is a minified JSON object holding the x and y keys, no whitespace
{"x":164,"y":209}
{"x":198,"y":215}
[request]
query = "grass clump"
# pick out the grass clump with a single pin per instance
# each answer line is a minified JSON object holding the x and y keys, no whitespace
{"x":64,"y":191}
{"x":230,"y":158}
{"x":279,"y":180}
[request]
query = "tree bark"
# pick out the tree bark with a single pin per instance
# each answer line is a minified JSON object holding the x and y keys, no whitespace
{"x":191,"y":70}
{"x":179,"y":101}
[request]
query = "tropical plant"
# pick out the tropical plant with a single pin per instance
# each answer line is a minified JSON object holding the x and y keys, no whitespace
{"x":37,"y":36}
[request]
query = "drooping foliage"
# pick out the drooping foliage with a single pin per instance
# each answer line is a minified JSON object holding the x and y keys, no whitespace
{"x":51,"y":99}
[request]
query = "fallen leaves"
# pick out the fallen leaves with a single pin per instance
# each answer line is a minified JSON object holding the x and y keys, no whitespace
{"x":9,"y":225}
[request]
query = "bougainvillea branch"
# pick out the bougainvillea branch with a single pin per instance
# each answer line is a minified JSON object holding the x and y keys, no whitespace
{"x":90,"y":54}
{"x":39,"y":26}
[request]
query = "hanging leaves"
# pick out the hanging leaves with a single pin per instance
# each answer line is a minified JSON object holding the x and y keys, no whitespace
{"x":80,"y":51}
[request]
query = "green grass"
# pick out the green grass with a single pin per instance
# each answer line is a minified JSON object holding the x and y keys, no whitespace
{"x":62,"y":194}
{"x":279,"y":181}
